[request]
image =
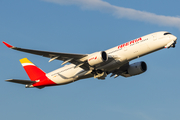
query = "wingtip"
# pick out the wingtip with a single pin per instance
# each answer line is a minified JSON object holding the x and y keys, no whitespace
{"x":8,"y":80}
{"x":8,"y":45}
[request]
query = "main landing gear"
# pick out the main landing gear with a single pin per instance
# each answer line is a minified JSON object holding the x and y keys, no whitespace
{"x":99,"y":74}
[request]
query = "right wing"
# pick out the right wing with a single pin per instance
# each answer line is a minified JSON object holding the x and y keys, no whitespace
{"x":78,"y":59}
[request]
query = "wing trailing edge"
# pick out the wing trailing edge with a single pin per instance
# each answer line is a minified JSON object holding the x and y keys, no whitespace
{"x":76,"y":59}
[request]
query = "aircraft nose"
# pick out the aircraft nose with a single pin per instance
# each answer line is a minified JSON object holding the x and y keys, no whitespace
{"x":174,"y":38}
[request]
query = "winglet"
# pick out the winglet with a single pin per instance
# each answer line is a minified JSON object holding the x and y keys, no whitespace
{"x":8,"y":45}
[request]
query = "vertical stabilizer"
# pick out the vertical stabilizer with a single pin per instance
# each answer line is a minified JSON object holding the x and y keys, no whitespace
{"x":33,"y":71}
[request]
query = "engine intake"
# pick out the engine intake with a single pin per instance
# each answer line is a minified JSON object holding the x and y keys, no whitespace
{"x":136,"y":68}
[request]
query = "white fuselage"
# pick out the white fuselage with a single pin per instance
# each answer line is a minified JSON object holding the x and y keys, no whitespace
{"x":121,"y":54}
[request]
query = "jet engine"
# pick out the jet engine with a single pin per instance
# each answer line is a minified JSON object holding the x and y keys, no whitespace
{"x":136,"y":69}
{"x":97,"y":58}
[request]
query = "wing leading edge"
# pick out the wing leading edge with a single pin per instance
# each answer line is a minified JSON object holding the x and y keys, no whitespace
{"x":76,"y":59}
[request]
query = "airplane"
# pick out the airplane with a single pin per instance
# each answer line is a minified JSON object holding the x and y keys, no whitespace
{"x":114,"y":61}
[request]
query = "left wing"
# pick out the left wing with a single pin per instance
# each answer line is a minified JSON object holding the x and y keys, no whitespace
{"x":77,"y":59}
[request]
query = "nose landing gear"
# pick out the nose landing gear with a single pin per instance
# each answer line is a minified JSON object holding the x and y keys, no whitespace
{"x":171,"y":44}
{"x":174,"y":44}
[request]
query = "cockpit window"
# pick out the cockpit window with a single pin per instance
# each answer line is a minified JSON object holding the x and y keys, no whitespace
{"x":166,"y":33}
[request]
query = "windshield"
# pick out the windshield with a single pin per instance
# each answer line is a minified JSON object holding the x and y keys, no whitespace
{"x":166,"y":33}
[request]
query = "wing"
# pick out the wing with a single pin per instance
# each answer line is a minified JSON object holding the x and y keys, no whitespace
{"x":77,"y":59}
{"x":120,"y":71}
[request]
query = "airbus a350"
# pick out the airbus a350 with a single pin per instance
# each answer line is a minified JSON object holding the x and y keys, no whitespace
{"x":114,"y":61}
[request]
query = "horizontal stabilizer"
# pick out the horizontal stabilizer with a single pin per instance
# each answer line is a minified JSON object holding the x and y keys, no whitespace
{"x":25,"y":82}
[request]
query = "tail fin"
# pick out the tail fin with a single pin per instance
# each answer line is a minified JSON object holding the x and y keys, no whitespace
{"x":33,"y":71}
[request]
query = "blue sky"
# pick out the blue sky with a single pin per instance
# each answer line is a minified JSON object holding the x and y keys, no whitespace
{"x":87,"y":26}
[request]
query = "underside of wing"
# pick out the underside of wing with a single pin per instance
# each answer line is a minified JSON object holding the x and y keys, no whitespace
{"x":66,"y":57}
{"x":120,"y":71}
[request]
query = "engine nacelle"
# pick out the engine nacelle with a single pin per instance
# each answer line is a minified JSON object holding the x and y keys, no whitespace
{"x":97,"y":58}
{"x":137,"y":68}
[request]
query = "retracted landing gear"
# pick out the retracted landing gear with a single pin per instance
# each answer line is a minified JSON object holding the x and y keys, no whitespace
{"x":99,"y":74}
{"x":174,"y":44}
{"x":171,"y":44}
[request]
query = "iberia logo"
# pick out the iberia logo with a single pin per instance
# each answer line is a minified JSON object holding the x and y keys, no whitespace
{"x":93,"y":58}
{"x":129,"y":43}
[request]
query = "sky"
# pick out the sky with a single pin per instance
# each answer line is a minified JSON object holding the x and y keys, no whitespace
{"x":87,"y":26}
